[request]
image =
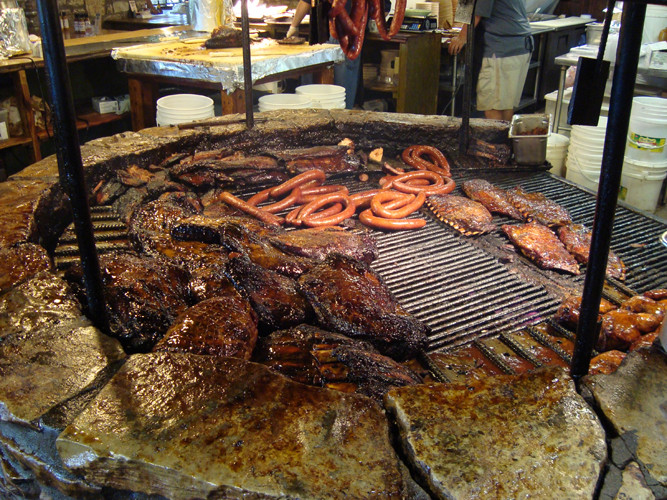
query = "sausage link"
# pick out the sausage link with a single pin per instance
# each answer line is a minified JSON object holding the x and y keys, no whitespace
{"x":235,"y":202}
{"x":367,"y":218}
{"x":288,"y":201}
{"x":363,"y":198}
{"x":397,"y":213}
{"x":436,"y":179}
{"x":327,"y":199}
{"x":310,"y":193}
{"x":413,"y":155}
{"x":446,"y":186}
{"x":260,"y":197}
{"x":297,"y":181}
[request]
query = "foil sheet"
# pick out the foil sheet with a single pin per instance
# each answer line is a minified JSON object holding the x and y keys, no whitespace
{"x":14,"y":38}
{"x":229,"y":73}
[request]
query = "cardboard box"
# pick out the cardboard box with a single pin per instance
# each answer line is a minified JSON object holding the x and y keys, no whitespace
{"x":105,"y":105}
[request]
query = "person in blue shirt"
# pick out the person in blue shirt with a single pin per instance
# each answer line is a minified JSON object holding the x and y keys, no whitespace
{"x":506,"y":51}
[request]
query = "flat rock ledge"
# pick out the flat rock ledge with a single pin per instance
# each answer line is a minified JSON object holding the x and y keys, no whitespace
{"x":502,"y":437}
{"x":634,"y":400}
{"x":188,"y":426}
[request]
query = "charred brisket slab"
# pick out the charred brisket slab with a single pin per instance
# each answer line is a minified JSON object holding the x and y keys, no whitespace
{"x":314,"y":356}
{"x":350,"y":298}
{"x":225,"y":325}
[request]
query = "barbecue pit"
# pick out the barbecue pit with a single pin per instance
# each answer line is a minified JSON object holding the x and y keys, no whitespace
{"x":470,"y":291}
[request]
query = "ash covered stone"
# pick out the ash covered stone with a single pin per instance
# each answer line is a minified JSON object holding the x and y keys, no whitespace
{"x":501,"y":437}
{"x":189,"y":426}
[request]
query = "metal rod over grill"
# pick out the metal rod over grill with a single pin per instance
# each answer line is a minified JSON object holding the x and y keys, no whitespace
{"x":68,"y":152}
{"x":622,"y":90}
{"x":247,"y":68}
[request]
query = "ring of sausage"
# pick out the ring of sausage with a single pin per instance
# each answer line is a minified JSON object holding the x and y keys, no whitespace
{"x":411,"y":205}
{"x":324,"y":200}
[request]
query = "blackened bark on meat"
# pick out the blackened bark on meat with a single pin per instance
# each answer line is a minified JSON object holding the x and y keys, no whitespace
{"x":209,"y":172}
{"x":350,"y":298}
{"x":329,"y":159}
{"x":224,"y":37}
{"x":143,"y":296}
{"x":209,"y":229}
{"x":163,"y":214}
{"x":221,"y":326}
{"x":318,"y":243}
{"x":274,"y":297}
{"x":313,"y":356}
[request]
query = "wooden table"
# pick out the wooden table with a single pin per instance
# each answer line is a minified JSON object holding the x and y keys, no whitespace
{"x":78,"y":48}
{"x":186,"y":63}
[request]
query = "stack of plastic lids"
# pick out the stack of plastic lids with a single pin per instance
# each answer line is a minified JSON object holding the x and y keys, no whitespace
{"x":272,"y":102}
{"x":584,"y":154}
{"x":324,"y":96}
{"x":183,"y":108}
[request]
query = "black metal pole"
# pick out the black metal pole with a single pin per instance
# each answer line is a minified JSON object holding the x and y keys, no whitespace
{"x":70,"y":166}
{"x":625,"y":73}
{"x":247,"y":68}
{"x":464,"y":132}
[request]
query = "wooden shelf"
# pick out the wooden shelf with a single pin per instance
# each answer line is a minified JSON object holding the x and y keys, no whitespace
{"x":84,"y":120}
{"x":14,"y":141}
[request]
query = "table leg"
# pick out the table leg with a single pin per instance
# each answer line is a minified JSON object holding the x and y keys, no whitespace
{"x":22,"y":92}
{"x":143,"y":96}
{"x":559,"y":99}
{"x":233,"y":103}
{"x":325,"y":75}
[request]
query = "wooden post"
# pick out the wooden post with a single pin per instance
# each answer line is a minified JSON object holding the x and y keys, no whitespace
{"x":143,"y":96}
{"x":233,"y":103}
{"x":22,"y":92}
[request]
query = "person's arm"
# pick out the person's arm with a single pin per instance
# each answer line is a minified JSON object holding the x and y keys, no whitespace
{"x":456,"y":44}
{"x":300,"y":12}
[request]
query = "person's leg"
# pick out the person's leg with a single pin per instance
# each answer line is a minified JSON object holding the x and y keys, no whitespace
{"x":346,"y":74}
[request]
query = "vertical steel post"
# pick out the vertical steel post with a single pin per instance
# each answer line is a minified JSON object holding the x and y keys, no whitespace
{"x":625,"y":74}
{"x":464,"y":132}
{"x":247,"y":68}
{"x":70,"y":166}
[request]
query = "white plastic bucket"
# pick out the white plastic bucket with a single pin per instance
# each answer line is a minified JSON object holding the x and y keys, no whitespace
{"x":183,"y":108}
{"x":654,"y":23}
{"x":584,"y":172}
{"x":557,"y":145}
{"x":641,"y":183}
{"x":647,"y":134}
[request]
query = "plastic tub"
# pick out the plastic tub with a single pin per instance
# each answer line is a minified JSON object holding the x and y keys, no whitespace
{"x":557,"y":146}
{"x":654,"y":22}
{"x":184,"y":103}
{"x":641,"y":183}
{"x":285,"y":101}
{"x":647,"y":133}
{"x":321,"y":90}
{"x":584,"y":173}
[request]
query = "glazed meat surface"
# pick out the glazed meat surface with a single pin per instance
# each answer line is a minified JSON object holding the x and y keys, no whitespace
{"x":620,"y":328}
{"x":577,"y":241}
{"x":329,"y":159}
{"x":20,"y":262}
{"x":536,"y":206}
{"x":318,"y":243}
{"x":222,"y":326}
{"x":143,"y":296}
{"x":606,"y":363}
{"x":223,"y":37}
{"x":161,"y":215}
{"x":542,"y":246}
{"x":275,"y":298}
{"x":569,"y":310}
{"x":317,"y":357}
{"x":350,"y":298}
{"x":492,"y":197}
{"x":467,"y":216}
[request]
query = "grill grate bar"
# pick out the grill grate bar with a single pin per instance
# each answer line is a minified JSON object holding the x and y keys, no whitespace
{"x":517,"y":348}
{"x":539,"y":336}
{"x":495,"y":358}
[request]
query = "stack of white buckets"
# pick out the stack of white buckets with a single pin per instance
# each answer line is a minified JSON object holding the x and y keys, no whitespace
{"x":183,"y":108}
{"x":645,"y":164}
{"x":317,"y":95}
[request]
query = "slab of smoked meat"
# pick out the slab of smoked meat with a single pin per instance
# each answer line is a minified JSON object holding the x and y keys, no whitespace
{"x":206,"y":263}
{"x":204,"y":171}
{"x":209,"y":228}
{"x":143,"y":296}
{"x":319,"y":243}
{"x":536,"y":206}
{"x":329,"y":159}
{"x":569,"y":310}
{"x":577,"y":241}
{"x":541,"y":245}
{"x":222,"y":326}
{"x":20,"y":262}
{"x":317,"y":357}
{"x":350,"y":298}
{"x":467,"y":216}
{"x":161,"y":215}
{"x":275,"y":298}
{"x":492,"y":197}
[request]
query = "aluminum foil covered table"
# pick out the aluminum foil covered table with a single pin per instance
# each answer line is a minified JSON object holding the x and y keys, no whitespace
{"x":188,"y":63}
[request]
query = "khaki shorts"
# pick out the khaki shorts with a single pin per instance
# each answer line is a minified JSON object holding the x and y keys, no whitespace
{"x":501,"y":81}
